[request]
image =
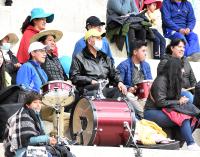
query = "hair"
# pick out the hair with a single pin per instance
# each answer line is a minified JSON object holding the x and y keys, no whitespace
{"x":173,"y":71}
{"x":136,"y":45}
{"x":26,"y":23}
{"x":43,"y":38}
{"x":2,"y":75}
{"x":173,"y":43}
{"x":30,"y":97}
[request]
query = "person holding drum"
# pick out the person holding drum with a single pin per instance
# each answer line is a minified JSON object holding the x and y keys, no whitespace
{"x":92,"y":65}
{"x":30,"y":75}
{"x":168,"y":108}
{"x":176,"y":49}
{"x":135,"y":70}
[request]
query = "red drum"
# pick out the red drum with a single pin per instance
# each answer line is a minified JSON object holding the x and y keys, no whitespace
{"x":101,"y":122}
{"x":57,"y":92}
{"x":143,"y":89}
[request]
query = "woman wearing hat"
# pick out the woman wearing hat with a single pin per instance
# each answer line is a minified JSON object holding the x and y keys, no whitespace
{"x":52,"y":65}
{"x":159,"y":42}
{"x":11,"y":63}
{"x":32,"y":25}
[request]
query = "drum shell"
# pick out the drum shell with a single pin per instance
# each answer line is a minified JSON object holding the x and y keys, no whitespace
{"x":143,"y":89}
{"x":108,"y":122}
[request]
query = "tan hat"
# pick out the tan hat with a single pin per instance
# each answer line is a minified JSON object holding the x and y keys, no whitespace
{"x":58,"y":35}
{"x":13,"y":39}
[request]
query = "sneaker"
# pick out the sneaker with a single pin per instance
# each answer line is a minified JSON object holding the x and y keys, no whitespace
{"x":194,"y":147}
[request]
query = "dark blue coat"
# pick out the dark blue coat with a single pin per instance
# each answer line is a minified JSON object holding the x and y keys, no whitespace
{"x":126,"y":71}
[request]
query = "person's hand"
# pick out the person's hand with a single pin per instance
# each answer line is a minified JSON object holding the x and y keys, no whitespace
{"x":182,"y":31}
{"x":122,"y":88}
{"x":183,"y":100}
{"x":94,"y":82}
{"x":52,"y":141}
{"x":187,"y":31}
{"x":17,"y":65}
{"x":132,"y":89}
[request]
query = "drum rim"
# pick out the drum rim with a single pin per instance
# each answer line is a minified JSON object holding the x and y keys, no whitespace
{"x":56,"y":81}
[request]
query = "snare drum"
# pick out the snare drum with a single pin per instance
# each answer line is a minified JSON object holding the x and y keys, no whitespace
{"x":57,"y":92}
{"x":143,"y":89}
{"x":102,"y":122}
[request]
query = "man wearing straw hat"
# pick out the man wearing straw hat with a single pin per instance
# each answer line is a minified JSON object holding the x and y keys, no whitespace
{"x":7,"y":40}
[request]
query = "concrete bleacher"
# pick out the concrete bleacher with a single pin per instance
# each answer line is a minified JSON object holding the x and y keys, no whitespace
{"x":70,"y":18}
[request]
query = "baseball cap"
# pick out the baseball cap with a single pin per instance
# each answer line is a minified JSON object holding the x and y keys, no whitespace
{"x":93,"y":32}
{"x":36,"y":46}
{"x":40,"y":13}
{"x":94,"y":21}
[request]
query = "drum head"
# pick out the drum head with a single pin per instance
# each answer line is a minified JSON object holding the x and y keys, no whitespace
{"x":84,"y":120}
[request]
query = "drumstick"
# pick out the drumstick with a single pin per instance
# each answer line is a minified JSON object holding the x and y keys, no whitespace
{"x":188,"y":89}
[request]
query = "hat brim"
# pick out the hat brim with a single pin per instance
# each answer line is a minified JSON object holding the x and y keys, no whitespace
{"x":158,"y":6}
{"x":49,"y":17}
{"x":56,"y":33}
{"x":13,"y":39}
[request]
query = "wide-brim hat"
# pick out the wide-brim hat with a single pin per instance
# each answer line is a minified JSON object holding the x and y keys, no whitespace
{"x":94,"y":32}
{"x":38,"y":13}
{"x":158,"y":6}
{"x":13,"y":39}
{"x":56,"y":33}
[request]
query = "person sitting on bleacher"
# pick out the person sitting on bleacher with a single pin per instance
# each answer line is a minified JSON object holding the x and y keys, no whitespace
{"x":93,"y":22}
{"x":133,"y":71}
{"x":159,"y":42}
{"x":166,"y":107}
{"x":30,"y":75}
{"x":176,"y":49}
{"x":92,"y":65}
{"x":26,"y":128}
{"x":178,"y":21}
{"x":11,"y":62}
{"x":5,"y":79}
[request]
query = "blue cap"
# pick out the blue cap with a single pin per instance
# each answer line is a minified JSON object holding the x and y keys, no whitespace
{"x":37,"y":13}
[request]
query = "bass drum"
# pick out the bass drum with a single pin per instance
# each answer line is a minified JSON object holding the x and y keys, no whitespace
{"x":101,"y":122}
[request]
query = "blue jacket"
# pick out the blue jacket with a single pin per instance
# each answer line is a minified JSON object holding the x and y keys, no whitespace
{"x":28,"y":77}
{"x":175,"y":17}
{"x":126,"y":71}
{"x":80,"y":45}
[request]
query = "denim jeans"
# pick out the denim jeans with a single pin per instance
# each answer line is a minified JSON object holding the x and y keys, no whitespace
{"x":163,"y":121}
{"x":189,"y":95}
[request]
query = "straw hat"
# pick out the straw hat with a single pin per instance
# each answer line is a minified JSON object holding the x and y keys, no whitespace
{"x":13,"y":39}
{"x":58,"y":35}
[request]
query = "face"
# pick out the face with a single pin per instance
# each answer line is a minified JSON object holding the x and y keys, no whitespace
{"x":39,"y":56}
{"x":91,"y":40}
{"x":35,"y":105}
{"x":98,"y":28}
{"x":50,"y":41}
{"x":40,"y":23}
{"x":178,"y":51}
{"x":140,"y":53}
{"x":1,"y":58}
{"x":152,"y":7}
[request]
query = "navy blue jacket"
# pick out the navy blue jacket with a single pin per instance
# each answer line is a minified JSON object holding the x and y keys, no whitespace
{"x":175,"y":17}
{"x":126,"y":71}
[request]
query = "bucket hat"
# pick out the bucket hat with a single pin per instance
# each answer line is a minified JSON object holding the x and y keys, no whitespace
{"x":159,"y":3}
{"x":13,"y":39}
{"x":56,"y":33}
{"x":37,"y":13}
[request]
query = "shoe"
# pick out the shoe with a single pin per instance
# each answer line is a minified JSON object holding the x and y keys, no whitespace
{"x":193,"y":147}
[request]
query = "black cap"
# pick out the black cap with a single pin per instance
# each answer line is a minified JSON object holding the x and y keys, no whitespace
{"x":94,"y":21}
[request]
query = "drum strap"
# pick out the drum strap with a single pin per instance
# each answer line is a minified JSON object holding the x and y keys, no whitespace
{"x":41,"y":78}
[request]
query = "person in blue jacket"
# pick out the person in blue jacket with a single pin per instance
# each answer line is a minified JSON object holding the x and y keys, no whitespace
{"x":93,"y":22}
{"x":178,"y":22}
{"x":135,"y":70}
{"x":30,"y":75}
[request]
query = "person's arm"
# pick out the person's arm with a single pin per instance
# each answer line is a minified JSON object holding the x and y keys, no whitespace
{"x":134,"y":7}
{"x":76,"y":75}
{"x":148,"y":71}
{"x":161,"y":65}
{"x":118,"y":6}
{"x":24,"y":75}
{"x":79,"y":46}
{"x":35,"y":140}
{"x":192,"y":77}
{"x":107,"y":49}
{"x":166,"y":17}
{"x":191,"y":20}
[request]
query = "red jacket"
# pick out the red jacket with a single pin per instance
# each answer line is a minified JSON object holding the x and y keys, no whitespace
{"x":22,"y":54}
